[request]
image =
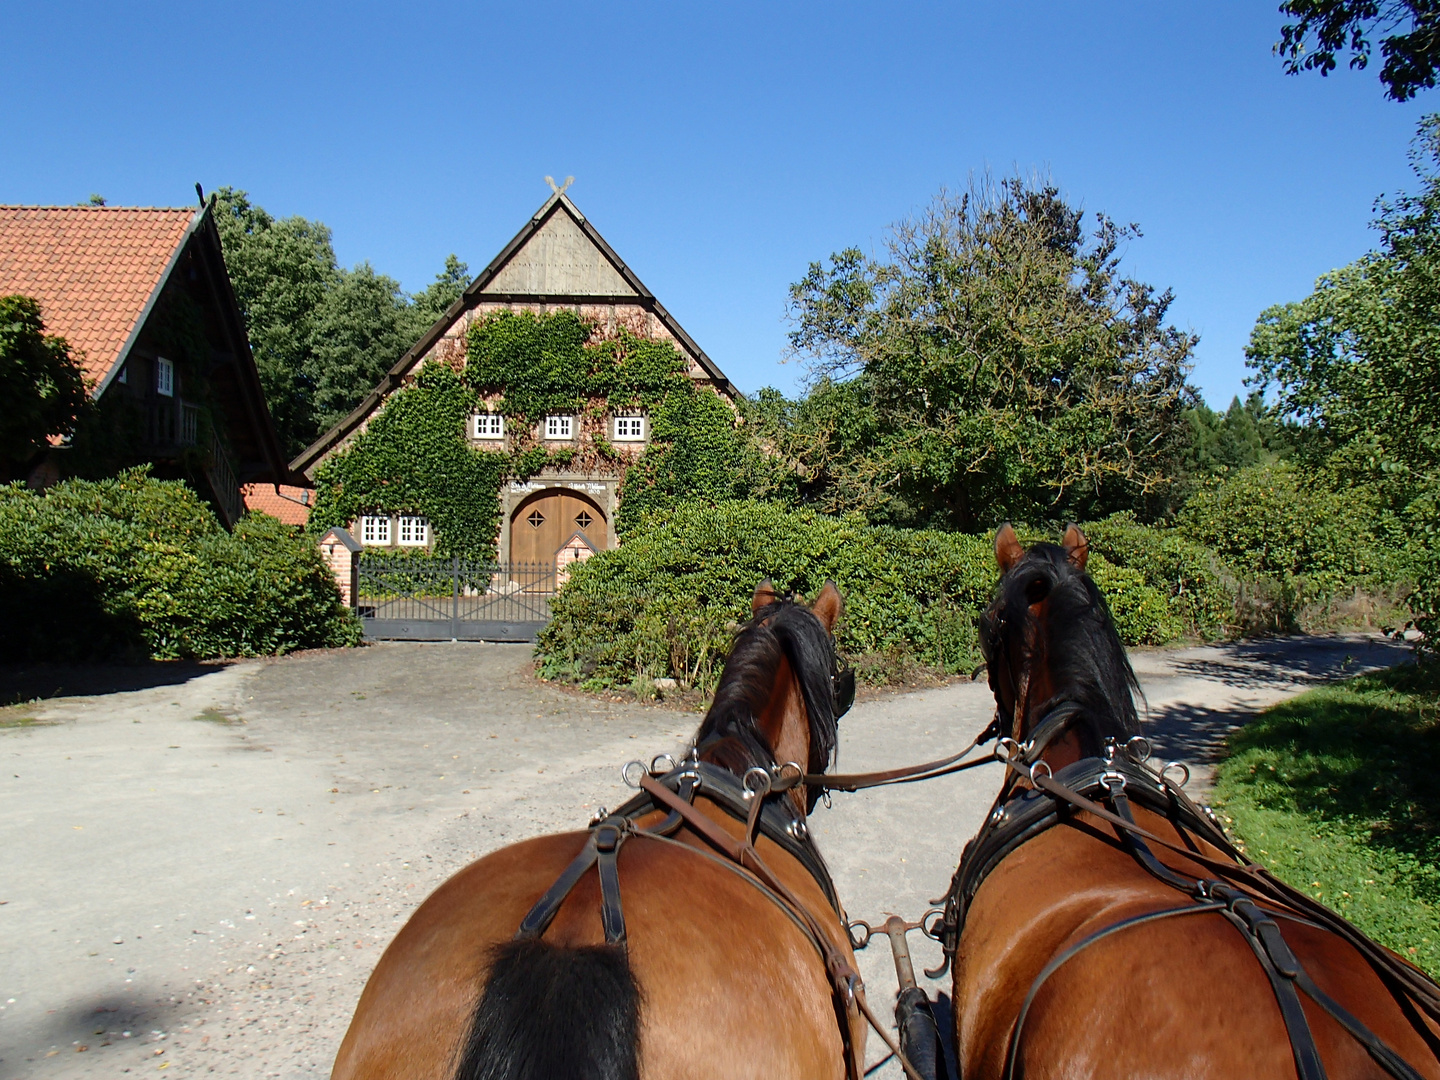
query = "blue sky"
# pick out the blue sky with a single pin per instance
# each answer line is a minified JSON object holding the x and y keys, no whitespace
{"x":719,"y":148}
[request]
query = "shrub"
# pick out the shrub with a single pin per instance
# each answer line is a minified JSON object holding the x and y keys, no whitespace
{"x":1194,"y":582}
{"x":667,"y":602}
{"x":133,"y":567}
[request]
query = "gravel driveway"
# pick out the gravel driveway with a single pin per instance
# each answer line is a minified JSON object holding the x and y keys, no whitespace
{"x":281,"y":819}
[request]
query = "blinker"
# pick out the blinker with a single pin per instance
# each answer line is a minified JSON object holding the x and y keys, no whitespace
{"x":843,"y":687}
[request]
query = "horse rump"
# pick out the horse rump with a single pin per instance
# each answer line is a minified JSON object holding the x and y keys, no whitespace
{"x":550,"y":1012}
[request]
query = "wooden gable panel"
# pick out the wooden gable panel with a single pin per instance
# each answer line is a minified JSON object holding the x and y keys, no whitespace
{"x":558,"y":259}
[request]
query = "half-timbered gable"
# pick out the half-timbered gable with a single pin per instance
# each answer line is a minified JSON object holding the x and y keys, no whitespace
{"x":558,"y":262}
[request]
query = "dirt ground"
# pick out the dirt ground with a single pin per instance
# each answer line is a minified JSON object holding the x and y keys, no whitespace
{"x":200,"y":865}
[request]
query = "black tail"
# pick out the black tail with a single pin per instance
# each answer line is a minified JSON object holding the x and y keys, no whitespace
{"x":552,"y":1013}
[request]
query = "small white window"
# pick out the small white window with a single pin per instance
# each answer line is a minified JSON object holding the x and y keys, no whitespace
{"x":414,"y":532}
{"x":489,"y":426}
{"x":629,"y":429}
{"x":375,"y":530}
{"x":164,"y":377}
{"x":559,"y":427}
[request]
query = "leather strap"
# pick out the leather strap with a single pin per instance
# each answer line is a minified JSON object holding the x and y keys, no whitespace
{"x":908,"y":774}
{"x":539,"y":917}
{"x":607,"y":842}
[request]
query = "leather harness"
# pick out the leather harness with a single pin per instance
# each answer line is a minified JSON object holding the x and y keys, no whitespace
{"x":1242,"y":892}
{"x":762,"y":807}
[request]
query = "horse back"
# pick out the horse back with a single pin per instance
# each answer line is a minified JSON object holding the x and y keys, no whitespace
{"x":1182,"y":996}
{"x":726,"y":983}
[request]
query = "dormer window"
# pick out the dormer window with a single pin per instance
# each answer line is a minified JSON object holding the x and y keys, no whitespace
{"x":559,"y":427}
{"x":629,"y":429}
{"x":489,"y":426}
{"x":164,"y":377}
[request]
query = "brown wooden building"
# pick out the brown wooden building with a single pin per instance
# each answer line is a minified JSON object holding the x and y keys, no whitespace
{"x":558,"y":260}
{"x":143,"y":298}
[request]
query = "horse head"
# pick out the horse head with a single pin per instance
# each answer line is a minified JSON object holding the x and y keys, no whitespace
{"x":783,"y":689}
{"x":1049,"y":640}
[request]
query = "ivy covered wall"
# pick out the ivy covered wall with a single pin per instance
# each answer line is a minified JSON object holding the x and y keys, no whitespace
{"x":415,"y":458}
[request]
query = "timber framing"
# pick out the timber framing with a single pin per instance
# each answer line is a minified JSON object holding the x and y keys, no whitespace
{"x":478,"y":293}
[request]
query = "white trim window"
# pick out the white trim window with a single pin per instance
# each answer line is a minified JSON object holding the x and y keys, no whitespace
{"x":629,"y":429}
{"x":414,"y":532}
{"x":375,"y":530}
{"x":164,"y":377}
{"x":489,"y":426}
{"x":559,"y":427}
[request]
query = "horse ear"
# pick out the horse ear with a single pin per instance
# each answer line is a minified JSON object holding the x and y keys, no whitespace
{"x":1007,"y":548}
{"x":765,"y":595}
{"x":1077,"y":548}
{"x":828,"y":607}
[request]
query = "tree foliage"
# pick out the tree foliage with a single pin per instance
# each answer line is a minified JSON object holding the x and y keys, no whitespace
{"x":995,"y":363}
{"x":41,"y":384}
{"x":1410,"y":43}
{"x":1357,"y":366}
{"x":323,"y":336}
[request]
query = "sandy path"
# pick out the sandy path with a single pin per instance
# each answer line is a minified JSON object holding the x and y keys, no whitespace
{"x":197,"y":878}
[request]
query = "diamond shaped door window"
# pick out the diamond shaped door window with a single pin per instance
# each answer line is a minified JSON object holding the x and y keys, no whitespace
{"x":536,"y":519}
{"x":584,"y":520}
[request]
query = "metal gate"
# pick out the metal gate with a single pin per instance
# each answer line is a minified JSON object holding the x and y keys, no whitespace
{"x":401,"y":599}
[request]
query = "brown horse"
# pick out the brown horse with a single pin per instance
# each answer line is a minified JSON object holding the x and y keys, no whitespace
{"x":1088,"y":945}
{"x":703,"y":969}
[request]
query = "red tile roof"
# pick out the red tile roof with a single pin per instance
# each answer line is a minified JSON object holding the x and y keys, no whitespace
{"x":292,"y":505}
{"x":91,"y":268}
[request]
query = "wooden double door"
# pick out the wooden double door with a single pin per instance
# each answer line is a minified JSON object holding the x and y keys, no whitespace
{"x":541,"y":525}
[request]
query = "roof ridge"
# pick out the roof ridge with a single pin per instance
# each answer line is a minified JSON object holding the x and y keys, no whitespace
{"x":89,"y":209}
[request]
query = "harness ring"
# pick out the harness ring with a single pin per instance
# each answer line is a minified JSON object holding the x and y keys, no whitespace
{"x":761,"y":784}
{"x":655,"y":763}
{"x":1184,"y":769}
{"x":628,"y":769}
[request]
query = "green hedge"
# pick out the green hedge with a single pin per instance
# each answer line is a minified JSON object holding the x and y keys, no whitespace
{"x":666,"y":602}
{"x":1195,"y":583}
{"x":134,"y":567}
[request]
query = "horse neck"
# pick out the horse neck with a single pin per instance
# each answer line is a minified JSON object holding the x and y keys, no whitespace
{"x":783,"y":724}
{"x":1038,"y":689}
{"x":786,"y":724}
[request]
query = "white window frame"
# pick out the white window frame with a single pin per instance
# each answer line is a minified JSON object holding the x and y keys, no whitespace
{"x":413,"y":531}
{"x":164,"y":377}
{"x":559,"y":428}
{"x":375,"y":530}
{"x":629,"y":428}
{"x":488,"y":425}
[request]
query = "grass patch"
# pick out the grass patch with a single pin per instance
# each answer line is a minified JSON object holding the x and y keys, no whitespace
{"x":1338,"y":792}
{"x":22,"y":715}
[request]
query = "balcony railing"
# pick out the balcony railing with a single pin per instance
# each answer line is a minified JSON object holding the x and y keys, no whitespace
{"x":174,"y":423}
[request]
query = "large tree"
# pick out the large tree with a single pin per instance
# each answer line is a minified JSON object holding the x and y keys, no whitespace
{"x":1357,"y":366}
{"x":41,"y":384}
{"x":322,"y":335}
{"x":1409,"y":33}
{"x":993,"y":363}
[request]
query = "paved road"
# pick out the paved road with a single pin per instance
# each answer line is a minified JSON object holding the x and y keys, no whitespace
{"x":199,"y":869}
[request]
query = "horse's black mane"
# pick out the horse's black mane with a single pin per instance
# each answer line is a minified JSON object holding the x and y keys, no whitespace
{"x":1087,"y":660}
{"x":729,"y":735}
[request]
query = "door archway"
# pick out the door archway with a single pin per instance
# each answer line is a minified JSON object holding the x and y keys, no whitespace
{"x":544,"y":521}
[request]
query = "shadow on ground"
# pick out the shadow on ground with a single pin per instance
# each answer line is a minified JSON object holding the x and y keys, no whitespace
{"x":97,"y":1023}
{"x":27,"y":682}
{"x":1275,"y":663}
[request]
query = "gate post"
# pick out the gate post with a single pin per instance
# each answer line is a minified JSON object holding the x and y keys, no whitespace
{"x":455,"y":599}
{"x":341,"y":553}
